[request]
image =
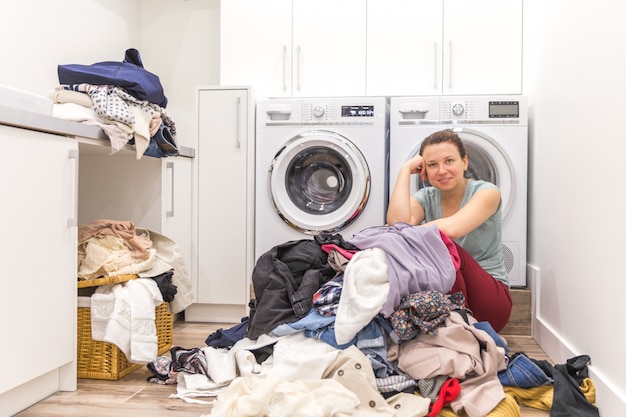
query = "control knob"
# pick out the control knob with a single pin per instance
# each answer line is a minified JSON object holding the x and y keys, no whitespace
{"x":458,"y":109}
{"x":318,"y":111}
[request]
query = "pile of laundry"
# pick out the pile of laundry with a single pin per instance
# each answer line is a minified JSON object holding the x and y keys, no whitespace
{"x":360,"y":328}
{"x":122,"y":98}
{"x":124,"y":313}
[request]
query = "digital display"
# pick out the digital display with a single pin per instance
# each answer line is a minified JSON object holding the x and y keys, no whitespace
{"x":503,"y":109}
{"x":357,"y":111}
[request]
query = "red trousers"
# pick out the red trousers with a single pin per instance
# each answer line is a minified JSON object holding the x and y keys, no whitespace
{"x":488,"y":298}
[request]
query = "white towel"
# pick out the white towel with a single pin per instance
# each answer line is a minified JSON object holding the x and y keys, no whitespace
{"x":110,"y":317}
{"x":124,"y":314}
{"x":364,"y":292}
{"x":144,"y":296}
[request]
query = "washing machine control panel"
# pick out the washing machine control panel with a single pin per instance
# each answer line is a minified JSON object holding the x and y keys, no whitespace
{"x":337,"y":112}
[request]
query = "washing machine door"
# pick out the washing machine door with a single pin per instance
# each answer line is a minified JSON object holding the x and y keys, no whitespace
{"x":319,"y":181}
{"x":488,"y":161}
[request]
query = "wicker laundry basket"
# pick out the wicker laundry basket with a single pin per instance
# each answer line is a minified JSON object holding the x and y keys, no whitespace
{"x":102,"y":360}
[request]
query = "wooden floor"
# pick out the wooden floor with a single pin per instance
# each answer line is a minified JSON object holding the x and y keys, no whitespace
{"x":134,"y":396}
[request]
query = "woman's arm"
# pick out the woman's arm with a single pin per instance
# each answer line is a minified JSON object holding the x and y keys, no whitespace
{"x":402,"y":207}
{"x":478,"y":209}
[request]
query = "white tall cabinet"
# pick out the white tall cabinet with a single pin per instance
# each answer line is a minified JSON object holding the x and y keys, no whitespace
{"x":38,"y":309}
{"x":225,"y":209}
{"x":298,"y":48}
{"x":453,"y":47}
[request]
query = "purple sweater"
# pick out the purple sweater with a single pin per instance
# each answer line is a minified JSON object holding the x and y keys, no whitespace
{"x":417,"y":259}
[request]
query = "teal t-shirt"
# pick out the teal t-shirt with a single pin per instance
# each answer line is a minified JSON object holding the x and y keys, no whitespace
{"x":485,"y":242}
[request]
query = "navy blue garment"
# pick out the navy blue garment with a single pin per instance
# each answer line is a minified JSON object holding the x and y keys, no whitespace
{"x":162,"y":144}
{"x":486,"y":326}
{"x":129,"y":74}
{"x":227,"y":338}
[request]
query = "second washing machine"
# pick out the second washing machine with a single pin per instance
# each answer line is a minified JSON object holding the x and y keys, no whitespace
{"x":321,"y":166}
{"x":494,"y":130}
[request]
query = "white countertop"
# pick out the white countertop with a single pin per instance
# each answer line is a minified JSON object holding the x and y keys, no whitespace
{"x":49,"y":124}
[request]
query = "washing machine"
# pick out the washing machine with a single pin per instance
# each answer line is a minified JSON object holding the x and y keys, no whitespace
{"x":494,"y":130}
{"x":321,"y":166}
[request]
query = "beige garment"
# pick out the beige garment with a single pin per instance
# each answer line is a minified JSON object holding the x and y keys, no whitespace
{"x":139,"y":246}
{"x":168,"y":257}
{"x":155,"y":122}
{"x":459,"y":350}
{"x":337,"y":261}
{"x":61,"y":95}
{"x":118,"y":133}
{"x":353,"y":370}
{"x":141,"y":127}
{"x":108,"y":256}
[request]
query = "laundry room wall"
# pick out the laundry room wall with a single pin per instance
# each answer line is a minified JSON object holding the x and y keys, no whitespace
{"x":178,"y":40}
{"x":37,"y":35}
{"x":181,"y":40}
{"x":574,"y":77}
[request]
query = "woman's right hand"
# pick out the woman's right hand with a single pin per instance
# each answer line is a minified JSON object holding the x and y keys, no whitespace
{"x":416,"y":165}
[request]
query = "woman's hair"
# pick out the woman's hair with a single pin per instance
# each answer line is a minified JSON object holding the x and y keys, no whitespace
{"x":442,"y":136}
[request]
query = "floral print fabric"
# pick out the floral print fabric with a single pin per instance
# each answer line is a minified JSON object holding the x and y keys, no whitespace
{"x":424,"y":312}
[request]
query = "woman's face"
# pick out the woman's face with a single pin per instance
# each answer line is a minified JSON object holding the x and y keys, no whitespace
{"x":444,"y":165}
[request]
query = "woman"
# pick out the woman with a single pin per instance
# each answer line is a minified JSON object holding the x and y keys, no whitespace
{"x":466,"y":210}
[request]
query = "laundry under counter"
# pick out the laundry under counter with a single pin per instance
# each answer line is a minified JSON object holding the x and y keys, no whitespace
{"x":57,"y":174}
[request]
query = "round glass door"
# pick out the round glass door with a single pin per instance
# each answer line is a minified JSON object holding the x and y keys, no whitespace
{"x":487,"y":161}
{"x":319,"y":181}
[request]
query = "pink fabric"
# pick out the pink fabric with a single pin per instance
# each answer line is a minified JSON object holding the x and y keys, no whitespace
{"x":327,"y":247}
{"x":488,"y":298}
{"x":454,"y":254}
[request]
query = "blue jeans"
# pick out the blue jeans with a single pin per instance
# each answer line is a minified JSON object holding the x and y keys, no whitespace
{"x":522,"y":372}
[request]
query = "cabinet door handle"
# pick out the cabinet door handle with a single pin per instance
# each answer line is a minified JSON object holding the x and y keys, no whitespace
{"x":450,"y":65}
{"x":284,"y":67}
{"x":237,"y":124}
{"x":435,"y":67}
{"x":298,"y":66}
{"x":73,"y":156}
{"x":169,"y":175}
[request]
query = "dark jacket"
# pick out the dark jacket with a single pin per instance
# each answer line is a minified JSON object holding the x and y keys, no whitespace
{"x":284,"y":280}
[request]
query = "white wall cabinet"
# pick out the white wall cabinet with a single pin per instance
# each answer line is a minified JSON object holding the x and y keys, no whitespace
{"x":296,"y":48}
{"x":38,"y":209}
{"x":225,"y":196}
{"x":450,"y":47}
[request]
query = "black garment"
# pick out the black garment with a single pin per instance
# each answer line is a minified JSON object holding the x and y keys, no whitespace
{"x":284,"y":280}
{"x":324,"y":238}
{"x":569,"y":400}
{"x":164,"y":282}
